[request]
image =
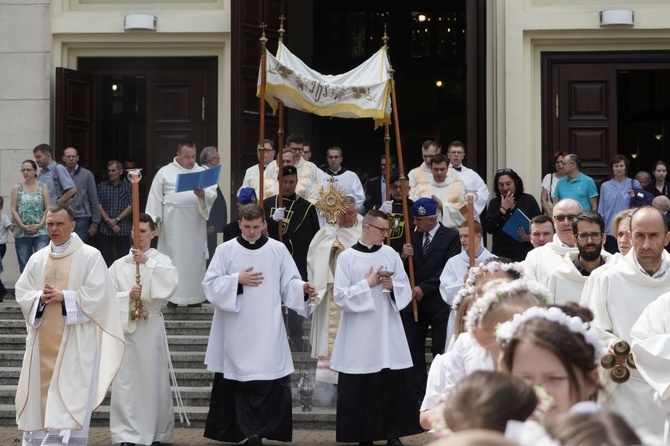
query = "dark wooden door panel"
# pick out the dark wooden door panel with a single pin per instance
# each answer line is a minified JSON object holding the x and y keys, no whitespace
{"x":75,"y":118}
{"x":174,"y":113}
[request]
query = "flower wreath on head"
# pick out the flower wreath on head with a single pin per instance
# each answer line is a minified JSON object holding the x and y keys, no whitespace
{"x":490,"y":267}
{"x":575,"y":324}
{"x":481,"y":306}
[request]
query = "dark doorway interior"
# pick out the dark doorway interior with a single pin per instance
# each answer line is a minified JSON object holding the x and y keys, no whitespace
{"x":122,"y":119}
{"x":644,"y":116}
{"x":145,"y":106}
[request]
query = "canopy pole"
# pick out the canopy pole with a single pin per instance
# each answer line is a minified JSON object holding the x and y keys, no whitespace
{"x":261,"y":112}
{"x":403,"y":179}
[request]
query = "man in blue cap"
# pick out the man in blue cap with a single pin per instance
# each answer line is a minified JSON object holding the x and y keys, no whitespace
{"x":432,"y":245}
{"x":247,"y":195}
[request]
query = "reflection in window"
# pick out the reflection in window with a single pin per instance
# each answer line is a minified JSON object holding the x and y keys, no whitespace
{"x":420,"y":26}
{"x":356,"y":34}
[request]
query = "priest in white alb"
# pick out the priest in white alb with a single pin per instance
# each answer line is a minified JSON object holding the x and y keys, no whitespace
{"x":143,"y":380}
{"x":651,"y":349}
{"x":618,"y":298}
{"x":324,"y":248}
{"x":566,"y":282}
{"x":447,"y":189}
{"x":376,"y":399}
{"x":541,"y":261}
{"x":75,"y":341}
{"x":247,"y":281}
{"x":182,"y":219}
{"x":419,"y":177}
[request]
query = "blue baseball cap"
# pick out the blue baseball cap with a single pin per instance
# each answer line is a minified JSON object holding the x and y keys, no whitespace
{"x":247,"y":196}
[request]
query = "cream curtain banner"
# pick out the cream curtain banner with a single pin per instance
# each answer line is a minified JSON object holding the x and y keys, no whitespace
{"x":363,"y":92}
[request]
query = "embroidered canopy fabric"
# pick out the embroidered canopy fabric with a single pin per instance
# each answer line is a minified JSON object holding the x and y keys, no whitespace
{"x":363,"y":92}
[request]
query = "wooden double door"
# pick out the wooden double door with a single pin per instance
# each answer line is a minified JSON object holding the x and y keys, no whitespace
{"x":176,"y":100}
{"x":591,"y":108}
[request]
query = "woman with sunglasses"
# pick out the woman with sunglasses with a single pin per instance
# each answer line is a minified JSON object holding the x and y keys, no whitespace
{"x":509,"y":198}
{"x":549,"y":183}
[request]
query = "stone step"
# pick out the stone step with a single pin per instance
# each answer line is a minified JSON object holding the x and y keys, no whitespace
{"x":320,"y":418}
{"x":13,"y":342}
{"x":12,"y":326}
{"x":186,"y":327}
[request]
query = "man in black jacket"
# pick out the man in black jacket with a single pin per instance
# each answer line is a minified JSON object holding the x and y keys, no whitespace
{"x":432,"y":245}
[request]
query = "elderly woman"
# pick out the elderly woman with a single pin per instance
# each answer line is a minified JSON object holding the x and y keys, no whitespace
{"x":509,"y":197}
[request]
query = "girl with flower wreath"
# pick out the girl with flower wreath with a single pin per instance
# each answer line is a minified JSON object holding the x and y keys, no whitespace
{"x":557,"y":348}
{"x":477,"y":348}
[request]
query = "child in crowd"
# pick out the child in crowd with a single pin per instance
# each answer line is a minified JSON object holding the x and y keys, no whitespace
{"x":476,"y":349}
{"x":591,"y":429}
{"x":556,"y":348}
{"x":6,"y":227}
{"x":487,"y":400}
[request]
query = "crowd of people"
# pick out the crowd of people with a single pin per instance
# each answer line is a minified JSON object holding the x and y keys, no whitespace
{"x":520,"y":338}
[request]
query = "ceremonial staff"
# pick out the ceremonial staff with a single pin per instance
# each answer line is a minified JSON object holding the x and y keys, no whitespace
{"x":135,"y":176}
{"x":471,"y":195}
{"x":403,"y":179}
{"x":261,"y":111}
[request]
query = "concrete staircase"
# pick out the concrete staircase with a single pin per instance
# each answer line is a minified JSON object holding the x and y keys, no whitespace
{"x":188,"y":332}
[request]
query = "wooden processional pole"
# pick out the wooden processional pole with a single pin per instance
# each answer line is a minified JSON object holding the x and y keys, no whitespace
{"x":471,"y":228}
{"x":403,"y":179}
{"x":261,"y":112}
{"x":134,"y":176}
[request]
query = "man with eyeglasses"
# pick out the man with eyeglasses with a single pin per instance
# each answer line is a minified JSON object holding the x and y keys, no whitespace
{"x":252,"y":174}
{"x":295,"y":143}
{"x":541,"y":261}
{"x":447,"y":189}
{"x":576,"y":185}
{"x":375,"y":399}
{"x":619,"y":296}
{"x":471,"y":179}
{"x":589,"y":235}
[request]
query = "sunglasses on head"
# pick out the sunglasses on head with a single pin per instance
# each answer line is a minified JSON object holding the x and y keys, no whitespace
{"x":502,"y":171}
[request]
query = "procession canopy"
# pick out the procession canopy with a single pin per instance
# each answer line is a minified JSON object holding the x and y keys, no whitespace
{"x":363,"y":92}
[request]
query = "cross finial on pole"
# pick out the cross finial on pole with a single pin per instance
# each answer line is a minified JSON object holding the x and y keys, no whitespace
{"x":281,"y":27}
{"x":263,"y":39}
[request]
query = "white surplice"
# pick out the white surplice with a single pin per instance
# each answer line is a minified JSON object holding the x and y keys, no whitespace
{"x":248,"y":339}
{"x":143,"y":379}
{"x":452,"y":279}
{"x":541,"y":261}
{"x":371,"y":336}
{"x":183,"y":229}
{"x":349,"y":182}
{"x":566,"y":283}
{"x":451,"y":192}
{"x":651,"y":349}
{"x":91,"y":349}
{"x":585,"y":299}
{"x":619,"y":296}
{"x":418,"y":179}
{"x":465,"y":357}
{"x":474,"y":182}
{"x":320,"y":274}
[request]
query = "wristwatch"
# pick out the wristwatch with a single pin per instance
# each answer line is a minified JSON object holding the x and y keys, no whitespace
{"x":118,"y":219}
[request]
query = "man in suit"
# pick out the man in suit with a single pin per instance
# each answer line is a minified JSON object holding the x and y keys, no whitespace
{"x":375,"y":188}
{"x":432,"y":245}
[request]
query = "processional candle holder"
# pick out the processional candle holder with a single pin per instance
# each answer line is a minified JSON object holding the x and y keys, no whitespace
{"x":134,"y":176}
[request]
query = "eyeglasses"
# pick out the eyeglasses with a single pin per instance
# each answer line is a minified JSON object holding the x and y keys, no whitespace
{"x":502,"y":171}
{"x":383,"y":230}
{"x":569,"y":162}
{"x":584,"y":236}
{"x":297,"y":149}
{"x":561,"y":218}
